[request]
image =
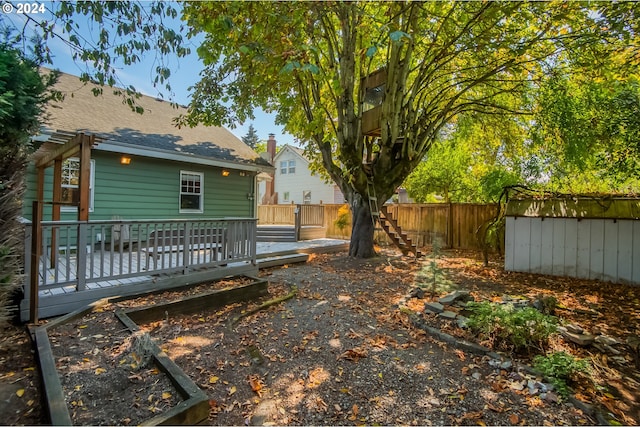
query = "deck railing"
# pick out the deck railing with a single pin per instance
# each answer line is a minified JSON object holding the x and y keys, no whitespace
{"x":79,"y":253}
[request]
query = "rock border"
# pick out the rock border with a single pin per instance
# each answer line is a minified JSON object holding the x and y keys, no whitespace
{"x":194,"y":409}
{"x":590,"y":409}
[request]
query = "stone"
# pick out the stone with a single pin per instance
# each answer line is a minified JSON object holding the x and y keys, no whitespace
{"x":462,"y":321}
{"x":580,"y":339}
{"x":574,"y":329}
{"x":416,"y":293}
{"x":452,"y":297}
{"x":434,"y":307}
{"x":477,"y":375}
{"x":552,"y":397}
{"x":507,"y":364}
{"x":448,"y":315}
{"x":605,"y":340}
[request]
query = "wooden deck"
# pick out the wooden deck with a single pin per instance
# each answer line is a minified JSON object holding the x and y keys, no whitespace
{"x":127,"y":269}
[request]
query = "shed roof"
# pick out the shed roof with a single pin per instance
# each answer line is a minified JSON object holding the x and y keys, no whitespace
{"x":612,"y":207}
{"x":151,"y":134}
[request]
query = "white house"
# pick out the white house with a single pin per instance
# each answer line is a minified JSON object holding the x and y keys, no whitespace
{"x":294,"y":182}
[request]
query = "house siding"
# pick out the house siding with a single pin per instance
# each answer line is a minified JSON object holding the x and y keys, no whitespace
{"x":300,"y":181}
{"x":149,"y":188}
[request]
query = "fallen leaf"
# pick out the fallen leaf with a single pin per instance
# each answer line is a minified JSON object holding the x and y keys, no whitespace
{"x":213,"y":380}
{"x":232,"y":390}
{"x":166,"y":395}
{"x":20,"y":392}
{"x":513,"y":419}
{"x":99,"y":371}
{"x":82,"y":326}
{"x":460,"y":354}
{"x":354,"y":413}
{"x":353,"y":354}
{"x":256,"y":384}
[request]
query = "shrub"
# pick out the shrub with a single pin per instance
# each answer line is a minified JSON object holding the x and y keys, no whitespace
{"x":509,"y":328}
{"x":343,"y":219}
{"x":560,"y":367}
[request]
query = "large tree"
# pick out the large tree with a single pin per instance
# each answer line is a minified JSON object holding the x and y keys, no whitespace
{"x":308,"y":62}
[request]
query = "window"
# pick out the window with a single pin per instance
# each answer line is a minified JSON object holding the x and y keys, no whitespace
{"x":70,"y":183}
{"x":292,"y":166}
{"x":306,"y":197}
{"x":283,"y":167}
{"x":285,"y":196}
{"x":191,"y":193}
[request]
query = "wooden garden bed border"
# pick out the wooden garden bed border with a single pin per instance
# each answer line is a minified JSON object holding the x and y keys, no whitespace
{"x":191,"y":411}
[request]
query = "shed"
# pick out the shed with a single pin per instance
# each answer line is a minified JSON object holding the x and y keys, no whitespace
{"x":575,"y":236}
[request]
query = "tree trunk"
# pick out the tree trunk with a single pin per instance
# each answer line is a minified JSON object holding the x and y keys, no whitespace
{"x":361,"y":245}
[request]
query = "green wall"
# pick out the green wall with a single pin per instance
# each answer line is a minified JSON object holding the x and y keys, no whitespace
{"x":149,"y":189}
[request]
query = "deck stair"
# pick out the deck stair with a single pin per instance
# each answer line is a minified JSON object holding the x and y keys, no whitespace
{"x":380,"y":215}
{"x":276,"y":233}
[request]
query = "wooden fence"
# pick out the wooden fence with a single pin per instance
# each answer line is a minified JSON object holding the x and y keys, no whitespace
{"x":454,"y":225}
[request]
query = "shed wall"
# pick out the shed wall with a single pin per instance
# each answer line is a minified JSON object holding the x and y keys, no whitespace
{"x":601,"y":249}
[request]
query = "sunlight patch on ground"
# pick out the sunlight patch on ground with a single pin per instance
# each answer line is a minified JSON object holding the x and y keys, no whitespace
{"x":184,"y":345}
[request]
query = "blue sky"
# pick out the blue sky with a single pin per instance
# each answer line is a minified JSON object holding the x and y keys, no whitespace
{"x":184,"y":73}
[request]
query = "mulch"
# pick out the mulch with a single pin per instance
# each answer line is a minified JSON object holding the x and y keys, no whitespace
{"x":340,"y":352}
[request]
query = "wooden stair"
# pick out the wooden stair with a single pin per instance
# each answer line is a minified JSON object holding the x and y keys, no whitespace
{"x":395,"y":233}
{"x":389,"y":224}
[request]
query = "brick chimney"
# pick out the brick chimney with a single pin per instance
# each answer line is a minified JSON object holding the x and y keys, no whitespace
{"x":271,"y":147}
{"x":269,"y":198}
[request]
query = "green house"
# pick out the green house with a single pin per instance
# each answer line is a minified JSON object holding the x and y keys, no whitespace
{"x":144,"y":206}
{"x":143,"y":166}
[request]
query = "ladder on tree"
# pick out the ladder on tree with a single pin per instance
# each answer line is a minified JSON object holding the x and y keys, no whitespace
{"x":388,"y":223}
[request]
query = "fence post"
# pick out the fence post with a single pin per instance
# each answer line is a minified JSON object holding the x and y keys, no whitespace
{"x":36,"y":247}
{"x":450,"y":226}
{"x":296,"y":214}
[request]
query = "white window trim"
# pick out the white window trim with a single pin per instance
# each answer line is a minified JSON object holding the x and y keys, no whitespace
{"x":284,"y":167}
{"x":201,"y":209}
{"x":91,"y":188}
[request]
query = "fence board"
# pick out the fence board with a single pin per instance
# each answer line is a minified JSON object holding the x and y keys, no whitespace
{"x":452,"y":224}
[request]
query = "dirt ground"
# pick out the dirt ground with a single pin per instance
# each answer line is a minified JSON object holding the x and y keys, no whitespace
{"x":340,"y":352}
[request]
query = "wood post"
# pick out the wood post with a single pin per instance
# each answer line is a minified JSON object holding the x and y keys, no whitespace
{"x":36,"y":248}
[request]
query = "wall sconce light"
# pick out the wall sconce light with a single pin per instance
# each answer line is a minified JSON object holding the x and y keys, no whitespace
{"x":125,"y":160}
{"x":225,"y":172}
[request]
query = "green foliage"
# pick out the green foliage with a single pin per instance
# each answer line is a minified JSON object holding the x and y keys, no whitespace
{"x":591,"y":130}
{"x":104,"y":35}
{"x":507,"y":327}
{"x":251,"y":138}
{"x":23,"y":94}
{"x":560,"y":368}
{"x":431,"y":276}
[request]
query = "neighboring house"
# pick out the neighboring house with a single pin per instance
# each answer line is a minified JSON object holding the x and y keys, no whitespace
{"x":143,"y":166}
{"x":294,"y":183}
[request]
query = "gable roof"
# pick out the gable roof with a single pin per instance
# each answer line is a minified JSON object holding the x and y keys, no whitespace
{"x":151,"y":134}
{"x":295,"y":150}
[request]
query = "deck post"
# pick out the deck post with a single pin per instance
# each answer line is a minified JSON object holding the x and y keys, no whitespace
{"x":253,"y":238}
{"x":36,"y":247}
{"x":187,"y":233}
{"x":81,"y":257}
